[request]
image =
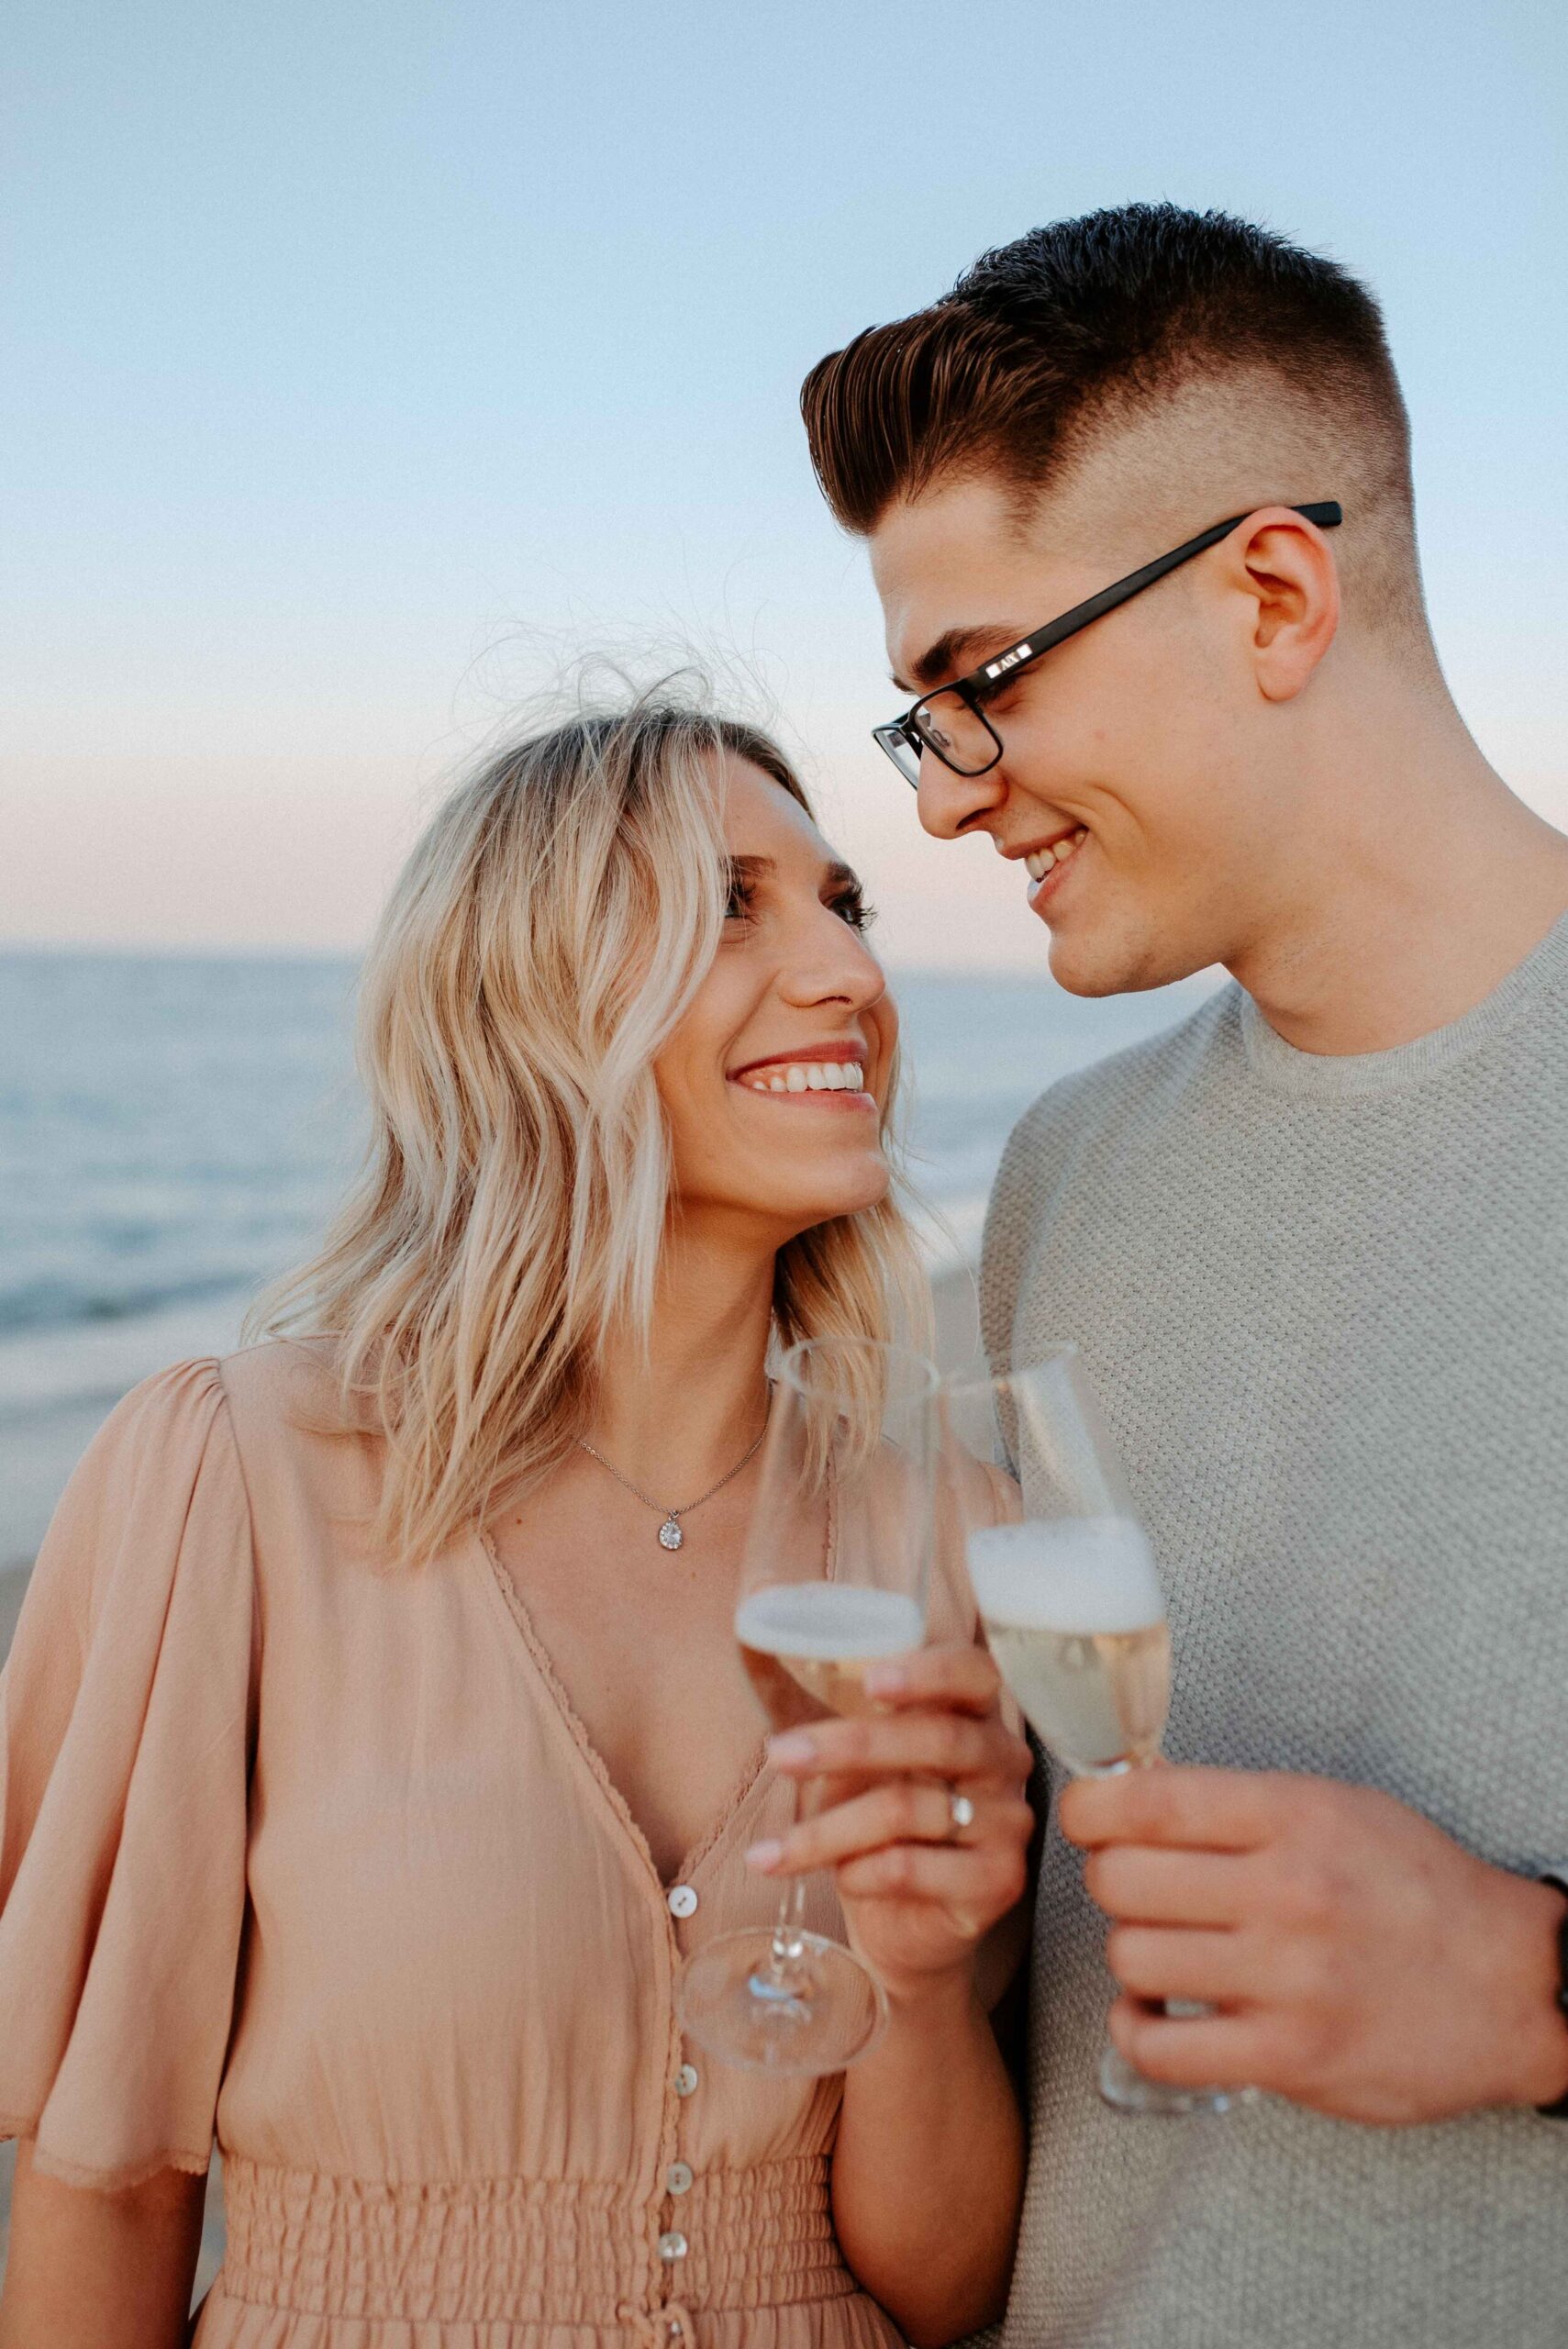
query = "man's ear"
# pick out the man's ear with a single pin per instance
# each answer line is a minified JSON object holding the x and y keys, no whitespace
{"x":1283,"y":567}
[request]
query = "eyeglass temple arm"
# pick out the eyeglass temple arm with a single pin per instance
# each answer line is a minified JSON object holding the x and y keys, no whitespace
{"x":1326,"y":515}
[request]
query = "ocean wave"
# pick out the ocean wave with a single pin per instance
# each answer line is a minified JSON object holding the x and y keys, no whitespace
{"x":47,"y":1304}
{"x":75,"y":1367}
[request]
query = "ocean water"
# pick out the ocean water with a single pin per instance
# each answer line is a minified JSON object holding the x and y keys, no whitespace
{"x":174,"y":1131}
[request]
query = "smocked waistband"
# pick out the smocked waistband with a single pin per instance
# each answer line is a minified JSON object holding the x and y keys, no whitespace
{"x":529,"y":2251}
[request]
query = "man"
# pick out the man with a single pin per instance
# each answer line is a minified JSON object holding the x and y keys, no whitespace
{"x":1314,"y":1244}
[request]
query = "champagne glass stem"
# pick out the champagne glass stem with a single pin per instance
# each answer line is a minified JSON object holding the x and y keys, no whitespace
{"x":1121,"y":2084}
{"x":784,"y":1969}
{"x":786,"y":1933}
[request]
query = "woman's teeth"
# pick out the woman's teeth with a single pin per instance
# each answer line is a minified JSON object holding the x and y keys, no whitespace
{"x":1041,"y":862}
{"x":808,"y":1076}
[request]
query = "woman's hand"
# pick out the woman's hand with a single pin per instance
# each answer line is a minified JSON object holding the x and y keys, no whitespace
{"x":919,"y":1894}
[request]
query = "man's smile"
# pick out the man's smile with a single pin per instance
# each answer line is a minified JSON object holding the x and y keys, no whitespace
{"x":1039,"y":861}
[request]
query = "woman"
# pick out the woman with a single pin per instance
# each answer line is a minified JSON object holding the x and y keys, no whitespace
{"x":370,"y":1761}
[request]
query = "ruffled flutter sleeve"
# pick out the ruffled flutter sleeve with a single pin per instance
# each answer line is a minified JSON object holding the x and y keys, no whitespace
{"x":125,"y":1712}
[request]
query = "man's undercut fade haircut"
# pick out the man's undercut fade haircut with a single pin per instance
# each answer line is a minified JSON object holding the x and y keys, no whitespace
{"x":1075,"y":334}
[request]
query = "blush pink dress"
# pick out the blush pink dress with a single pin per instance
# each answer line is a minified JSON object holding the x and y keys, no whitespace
{"x":316,"y":1857}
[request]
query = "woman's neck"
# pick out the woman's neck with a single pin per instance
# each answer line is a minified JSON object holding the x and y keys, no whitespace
{"x":672,"y":1416}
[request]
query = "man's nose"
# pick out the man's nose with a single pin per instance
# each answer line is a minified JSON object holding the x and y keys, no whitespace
{"x":952,"y":805}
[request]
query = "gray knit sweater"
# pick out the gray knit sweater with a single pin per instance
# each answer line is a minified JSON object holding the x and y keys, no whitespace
{"x":1325,"y":1304}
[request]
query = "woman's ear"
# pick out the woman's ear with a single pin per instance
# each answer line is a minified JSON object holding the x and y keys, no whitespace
{"x":1284,"y":567}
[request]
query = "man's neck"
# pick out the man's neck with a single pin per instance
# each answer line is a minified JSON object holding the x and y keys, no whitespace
{"x":1429,"y":881}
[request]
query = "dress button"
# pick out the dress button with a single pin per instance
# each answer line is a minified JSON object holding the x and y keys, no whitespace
{"x":671,"y":2246}
{"x":678,"y":2177}
{"x":680,"y":1899}
{"x":686,"y":2081}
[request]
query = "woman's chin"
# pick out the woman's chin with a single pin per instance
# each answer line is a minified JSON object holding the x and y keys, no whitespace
{"x":849,"y":1197}
{"x":778,"y":1202}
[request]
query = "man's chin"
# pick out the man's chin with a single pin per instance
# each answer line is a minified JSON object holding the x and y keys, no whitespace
{"x":1102,"y":965}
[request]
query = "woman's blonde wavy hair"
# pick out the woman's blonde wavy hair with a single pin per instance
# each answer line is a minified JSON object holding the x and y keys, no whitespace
{"x":544,"y":938}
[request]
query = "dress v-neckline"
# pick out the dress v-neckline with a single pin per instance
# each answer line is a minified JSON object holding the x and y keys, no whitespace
{"x":588,"y":1753}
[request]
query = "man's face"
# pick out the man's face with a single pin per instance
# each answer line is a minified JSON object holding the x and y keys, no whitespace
{"x":1131,"y":752}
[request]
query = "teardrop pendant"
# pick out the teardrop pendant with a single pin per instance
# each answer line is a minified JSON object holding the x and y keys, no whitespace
{"x":669,"y":1534}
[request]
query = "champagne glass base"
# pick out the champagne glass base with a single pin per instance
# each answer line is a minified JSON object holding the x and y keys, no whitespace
{"x":1127,"y":2090}
{"x":818,"y":2012}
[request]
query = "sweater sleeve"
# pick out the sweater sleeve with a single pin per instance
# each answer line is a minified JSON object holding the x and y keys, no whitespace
{"x":125,"y":1711}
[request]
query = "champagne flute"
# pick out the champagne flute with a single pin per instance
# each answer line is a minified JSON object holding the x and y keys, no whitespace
{"x":1073,"y":1611}
{"x":833,"y":1579}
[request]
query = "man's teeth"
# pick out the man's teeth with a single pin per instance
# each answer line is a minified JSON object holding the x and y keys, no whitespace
{"x":808,"y":1076}
{"x":1040,"y":861}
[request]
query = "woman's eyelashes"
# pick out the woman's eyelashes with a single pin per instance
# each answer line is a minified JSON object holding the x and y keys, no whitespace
{"x":851,"y":905}
{"x":847,"y":902}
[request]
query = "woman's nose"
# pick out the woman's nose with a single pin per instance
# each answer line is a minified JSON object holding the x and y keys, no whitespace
{"x":834,"y":966}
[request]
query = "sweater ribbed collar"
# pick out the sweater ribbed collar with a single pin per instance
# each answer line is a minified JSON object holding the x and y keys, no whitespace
{"x":1342,"y":1075}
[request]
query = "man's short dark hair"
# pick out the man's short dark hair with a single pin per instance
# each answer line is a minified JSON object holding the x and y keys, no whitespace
{"x":1048,"y":343}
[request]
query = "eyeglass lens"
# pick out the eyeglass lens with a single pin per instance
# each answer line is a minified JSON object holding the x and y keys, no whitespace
{"x":957,"y":733}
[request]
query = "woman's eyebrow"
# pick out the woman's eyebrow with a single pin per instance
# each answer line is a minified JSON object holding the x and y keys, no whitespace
{"x":835,"y":874}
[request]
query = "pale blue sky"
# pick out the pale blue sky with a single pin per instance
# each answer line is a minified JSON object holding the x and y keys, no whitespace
{"x":360,"y":356}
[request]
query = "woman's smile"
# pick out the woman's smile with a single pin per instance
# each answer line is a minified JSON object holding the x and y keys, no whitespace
{"x":827,"y":1075}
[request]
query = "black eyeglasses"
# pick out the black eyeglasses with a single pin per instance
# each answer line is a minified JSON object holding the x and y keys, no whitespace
{"x":951,"y":723}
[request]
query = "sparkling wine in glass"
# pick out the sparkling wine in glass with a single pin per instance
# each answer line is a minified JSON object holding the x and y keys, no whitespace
{"x":1073,"y":1611}
{"x":1074,"y":1619}
{"x":833,"y":1579}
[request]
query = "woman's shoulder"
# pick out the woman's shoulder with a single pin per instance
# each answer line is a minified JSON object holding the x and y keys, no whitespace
{"x":273,"y":1380}
{"x":298,"y":1436}
{"x":283,"y":1387}
{"x":264,"y":1421}
{"x":158,"y":1435}
{"x":154,"y":1522}
{"x":281,"y":1394}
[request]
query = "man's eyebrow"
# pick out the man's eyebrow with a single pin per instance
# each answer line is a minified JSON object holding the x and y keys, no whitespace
{"x":954,"y":654}
{"x":842,"y":876}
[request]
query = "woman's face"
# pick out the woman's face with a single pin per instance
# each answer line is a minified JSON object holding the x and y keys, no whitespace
{"x":774,"y":1080}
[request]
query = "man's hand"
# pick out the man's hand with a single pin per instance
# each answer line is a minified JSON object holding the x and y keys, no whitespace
{"x":1360,"y":1962}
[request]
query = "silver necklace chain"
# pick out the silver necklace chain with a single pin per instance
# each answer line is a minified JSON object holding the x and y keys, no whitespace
{"x":671,"y":1533}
